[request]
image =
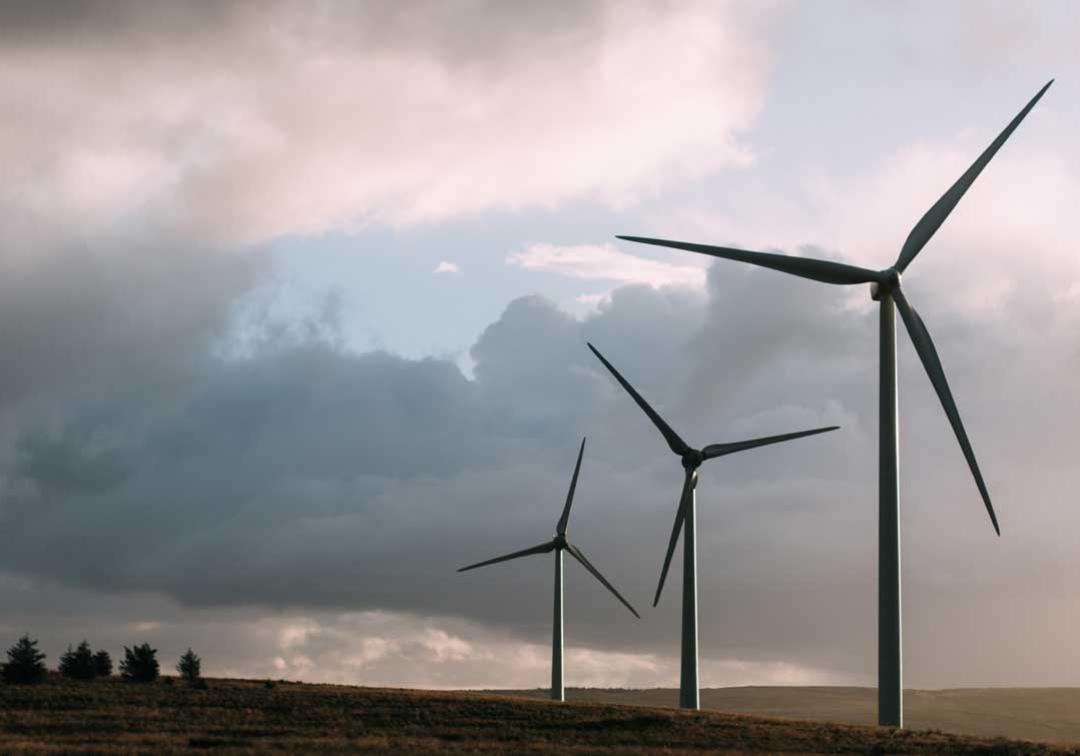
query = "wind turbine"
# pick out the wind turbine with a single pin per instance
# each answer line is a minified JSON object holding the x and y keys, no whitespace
{"x":685,"y":519}
{"x":885,"y":288}
{"x":558,"y":544}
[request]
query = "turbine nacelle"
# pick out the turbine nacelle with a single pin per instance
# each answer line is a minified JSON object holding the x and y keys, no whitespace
{"x":887,"y":283}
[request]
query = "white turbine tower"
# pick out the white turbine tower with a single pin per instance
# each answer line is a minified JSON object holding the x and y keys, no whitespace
{"x":685,"y":519}
{"x":559,"y":544}
{"x":885,"y":288}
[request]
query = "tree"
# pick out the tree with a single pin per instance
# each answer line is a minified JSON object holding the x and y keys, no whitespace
{"x":79,"y":663}
{"x":102,"y":664}
{"x":189,"y":666}
{"x":140,"y":664}
{"x":25,"y":664}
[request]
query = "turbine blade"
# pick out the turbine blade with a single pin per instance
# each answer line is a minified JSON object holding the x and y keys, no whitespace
{"x":924,"y":345}
{"x":677,"y":445}
{"x":542,"y":548}
{"x":719,"y":450}
{"x":936,"y":215}
{"x":680,"y":515}
{"x":576,"y":553}
{"x":804,"y":267}
{"x":561,"y":527}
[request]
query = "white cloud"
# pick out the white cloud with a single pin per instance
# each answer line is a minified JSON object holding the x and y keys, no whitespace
{"x":386,"y":648}
{"x":446,"y":266}
{"x":593,"y":301}
{"x":296,"y":122}
{"x":445,"y":647}
{"x":295,"y":633}
{"x":381,"y":648}
{"x":605,"y":262}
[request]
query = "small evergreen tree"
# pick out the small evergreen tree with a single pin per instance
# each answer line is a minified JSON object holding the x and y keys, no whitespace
{"x":67,"y":662}
{"x":189,"y":666}
{"x":25,"y":664}
{"x":102,"y":664}
{"x":140,"y":664}
{"x":78,"y":664}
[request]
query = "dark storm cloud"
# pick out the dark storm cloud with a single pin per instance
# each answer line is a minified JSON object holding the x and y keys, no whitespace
{"x":136,"y":310}
{"x":29,"y":23}
{"x":304,"y":474}
{"x":65,"y":467}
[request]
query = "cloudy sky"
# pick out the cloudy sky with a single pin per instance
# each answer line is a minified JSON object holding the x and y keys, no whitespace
{"x":294,"y":301}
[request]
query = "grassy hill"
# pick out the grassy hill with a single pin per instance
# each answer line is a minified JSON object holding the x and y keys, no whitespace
{"x":238,"y":716}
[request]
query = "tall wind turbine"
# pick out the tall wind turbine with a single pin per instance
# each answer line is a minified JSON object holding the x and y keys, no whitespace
{"x":685,"y":519}
{"x":558,"y":544}
{"x":885,"y":288}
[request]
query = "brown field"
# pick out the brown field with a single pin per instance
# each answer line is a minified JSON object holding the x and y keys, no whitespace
{"x":1047,"y":714}
{"x":238,"y":716}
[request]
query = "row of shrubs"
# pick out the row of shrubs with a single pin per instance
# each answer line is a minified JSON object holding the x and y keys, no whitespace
{"x":26,"y":664}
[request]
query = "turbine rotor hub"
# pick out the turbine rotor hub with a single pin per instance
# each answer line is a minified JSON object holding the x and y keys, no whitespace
{"x":692,"y":459}
{"x":888,"y":282}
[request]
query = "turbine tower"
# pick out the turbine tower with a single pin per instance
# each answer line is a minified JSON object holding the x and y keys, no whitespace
{"x":685,"y":519}
{"x":885,"y":288}
{"x":558,"y":544}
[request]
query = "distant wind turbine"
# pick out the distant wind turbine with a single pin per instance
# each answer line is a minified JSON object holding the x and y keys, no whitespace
{"x":885,"y":288}
{"x":558,"y":544}
{"x":685,"y":519}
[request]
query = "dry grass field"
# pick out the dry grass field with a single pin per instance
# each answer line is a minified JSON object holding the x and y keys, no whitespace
{"x":1047,"y":714}
{"x":237,"y":716}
